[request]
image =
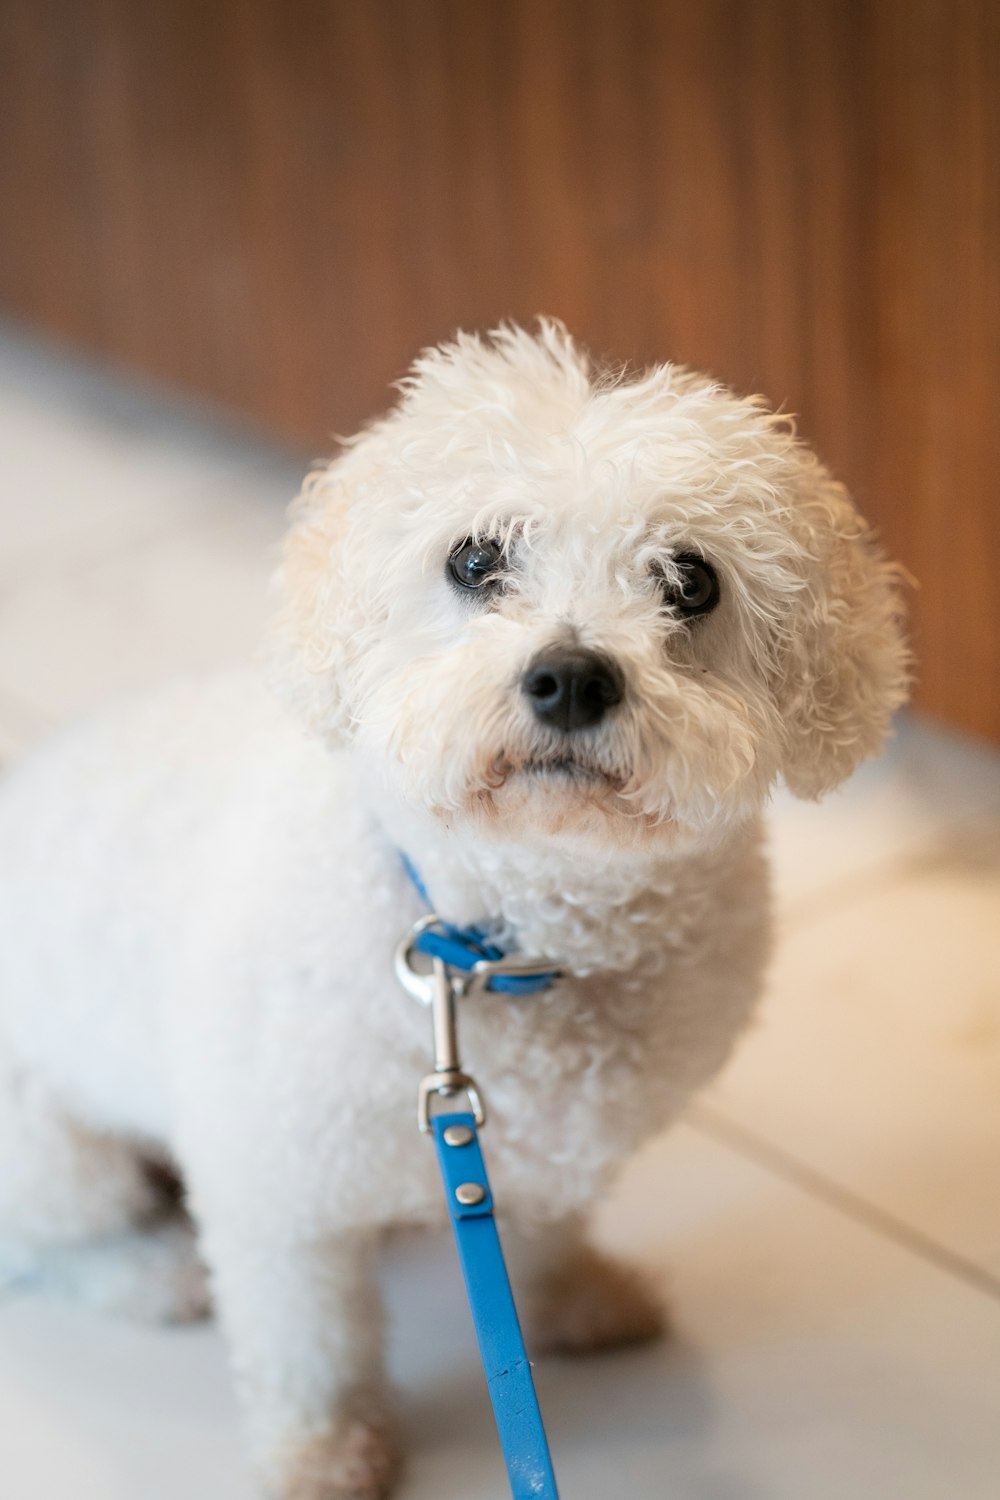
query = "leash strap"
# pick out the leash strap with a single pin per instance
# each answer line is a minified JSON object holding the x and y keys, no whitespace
{"x":505,"y":1360}
{"x":467,"y":1189}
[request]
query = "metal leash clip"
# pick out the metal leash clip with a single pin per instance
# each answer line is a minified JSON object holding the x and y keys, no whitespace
{"x":441,"y":987}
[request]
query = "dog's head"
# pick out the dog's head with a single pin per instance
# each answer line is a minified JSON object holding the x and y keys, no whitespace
{"x":587,"y":607}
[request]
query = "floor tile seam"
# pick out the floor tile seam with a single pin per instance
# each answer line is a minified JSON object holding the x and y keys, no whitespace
{"x":820,"y":1186}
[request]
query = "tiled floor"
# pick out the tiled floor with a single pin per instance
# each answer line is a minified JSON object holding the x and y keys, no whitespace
{"x":828,"y":1218}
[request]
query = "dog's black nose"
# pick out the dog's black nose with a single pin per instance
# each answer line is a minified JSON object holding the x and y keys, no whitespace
{"x":571,"y":688}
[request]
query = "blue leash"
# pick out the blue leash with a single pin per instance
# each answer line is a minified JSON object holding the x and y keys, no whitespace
{"x":505,"y":1360}
{"x":461,"y":959}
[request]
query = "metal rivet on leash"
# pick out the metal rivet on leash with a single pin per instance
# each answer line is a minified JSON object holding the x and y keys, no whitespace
{"x":457,"y":1135}
{"x":469,"y":1194}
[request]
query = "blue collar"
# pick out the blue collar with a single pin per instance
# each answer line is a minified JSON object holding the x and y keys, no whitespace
{"x":464,"y":947}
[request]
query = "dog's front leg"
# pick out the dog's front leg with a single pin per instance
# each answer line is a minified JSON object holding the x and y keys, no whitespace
{"x":304,"y":1323}
{"x":575,"y":1298}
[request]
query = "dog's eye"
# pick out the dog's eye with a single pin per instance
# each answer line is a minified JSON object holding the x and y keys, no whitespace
{"x":473,"y":564}
{"x":697,"y":591}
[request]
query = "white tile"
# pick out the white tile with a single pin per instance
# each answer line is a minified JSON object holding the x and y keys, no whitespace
{"x":876,"y":1059}
{"x":88,"y":460}
{"x":929,"y":779}
{"x":98,"y":1410}
{"x":815,"y":1359}
{"x":191,"y":600}
{"x":812,"y":1359}
{"x":135,"y":538}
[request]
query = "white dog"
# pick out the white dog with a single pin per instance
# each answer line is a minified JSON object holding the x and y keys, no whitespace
{"x":554,"y":636}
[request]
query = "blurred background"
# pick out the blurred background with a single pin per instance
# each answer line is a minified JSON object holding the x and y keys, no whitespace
{"x":225,"y":228}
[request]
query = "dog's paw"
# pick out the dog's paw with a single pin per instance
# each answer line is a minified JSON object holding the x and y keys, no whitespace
{"x":590,"y":1303}
{"x":176,"y":1287}
{"x":358,"y":1460}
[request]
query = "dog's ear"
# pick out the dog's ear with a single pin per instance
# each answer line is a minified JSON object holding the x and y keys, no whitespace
{"x":844,"y":665}
{"x":322,"y":620}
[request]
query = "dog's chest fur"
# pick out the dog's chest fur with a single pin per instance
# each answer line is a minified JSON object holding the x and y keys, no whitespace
{"x":662,"y":974}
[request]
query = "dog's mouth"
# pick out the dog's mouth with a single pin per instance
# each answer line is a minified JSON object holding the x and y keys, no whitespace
{"x":556,"y":791}
{"x":561,"y":770}
{"x":564,"y":766}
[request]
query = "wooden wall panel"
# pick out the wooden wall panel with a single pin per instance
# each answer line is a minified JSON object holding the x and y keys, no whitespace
{"x":277,"y":201}
{"x":936,"y":465}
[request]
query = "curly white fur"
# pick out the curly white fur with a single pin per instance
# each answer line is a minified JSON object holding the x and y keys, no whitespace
{"x":199,"y":900}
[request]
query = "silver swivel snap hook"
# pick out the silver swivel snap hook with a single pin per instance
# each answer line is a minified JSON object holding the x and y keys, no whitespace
{"x":440,"y":989}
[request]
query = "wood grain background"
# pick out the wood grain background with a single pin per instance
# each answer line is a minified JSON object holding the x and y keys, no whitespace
{"x":276,"y":202}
